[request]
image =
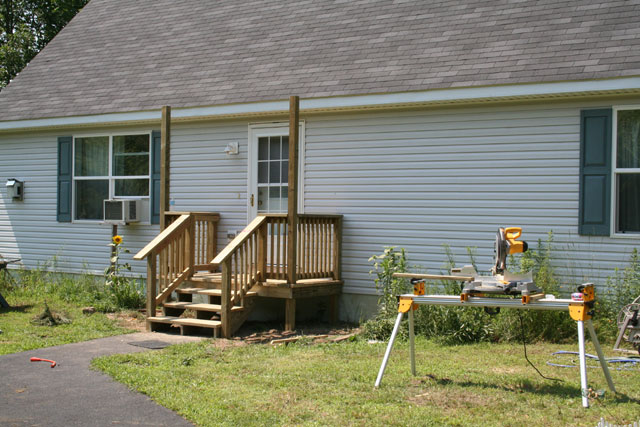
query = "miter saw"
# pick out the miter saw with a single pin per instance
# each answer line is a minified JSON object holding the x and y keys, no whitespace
{"x":502,"y":281}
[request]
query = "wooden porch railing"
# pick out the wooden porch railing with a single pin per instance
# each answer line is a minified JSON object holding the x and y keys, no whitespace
{"x":319,"y":246}
{"x":185,"y":246}
{"x":259,"y":253}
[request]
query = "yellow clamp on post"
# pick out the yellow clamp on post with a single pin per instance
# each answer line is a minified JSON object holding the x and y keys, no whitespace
{"x":406,"y":304}
{"x":418,"y":287}
{"x":583,"y":310}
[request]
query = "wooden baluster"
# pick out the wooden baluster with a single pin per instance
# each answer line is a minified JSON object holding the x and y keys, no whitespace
{"x":272,"y":248}
{"x":285,"y":247}
{"x":192,"y":248}
{"x":211,"y":240}
{"x":326,"y":247}
{"x":316,"y":248}
{"x":225,"y":309}
{"x":262,"y":252}
{"x":277,"y":239}
{"x":236,"y":271}
{"x":202,"y":244}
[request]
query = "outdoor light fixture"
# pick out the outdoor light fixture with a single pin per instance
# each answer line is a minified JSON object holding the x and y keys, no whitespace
{"x":231,"y":149}
{"x":15,"y":189}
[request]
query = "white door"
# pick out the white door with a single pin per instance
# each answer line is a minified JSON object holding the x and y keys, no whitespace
{"x":268,"y":169}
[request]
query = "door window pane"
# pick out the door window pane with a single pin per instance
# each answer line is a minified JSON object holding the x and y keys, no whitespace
{"x":263,"y":148}
{"x":263,"y":172}
{"x":285,"y":147}
{"x":131,"y":187}
{"x":629,"y":202}
{"x":274,"y":200}
{"x":91,"y":156}
{"x":285,"y":172}
{"x":131,"y":155}
{"x":274,"y":148}
{"x":274,"y":172}
{"x":628,"y":144}
{"x":89,"y":197}
{"x":262,"y":200}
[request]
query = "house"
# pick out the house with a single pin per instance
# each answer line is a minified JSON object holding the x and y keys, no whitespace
{"x":421,"y":124}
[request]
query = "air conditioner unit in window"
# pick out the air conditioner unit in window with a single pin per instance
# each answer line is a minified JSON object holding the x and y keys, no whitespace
{"x":119,"y":211}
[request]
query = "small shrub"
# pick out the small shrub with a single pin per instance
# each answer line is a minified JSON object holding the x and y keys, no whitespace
{"x":391,"y":261}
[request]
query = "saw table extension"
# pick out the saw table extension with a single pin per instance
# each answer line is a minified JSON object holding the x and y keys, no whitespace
{"x":580,"y":311}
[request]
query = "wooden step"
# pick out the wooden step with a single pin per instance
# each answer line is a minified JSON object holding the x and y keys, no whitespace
{"x":197,"y":322}
{"x":186,"y":325}
{"x":209,"y":292}
{"x":197,"y":306}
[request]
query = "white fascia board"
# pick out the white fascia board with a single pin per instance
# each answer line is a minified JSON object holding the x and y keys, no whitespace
{"x":460,"y":95}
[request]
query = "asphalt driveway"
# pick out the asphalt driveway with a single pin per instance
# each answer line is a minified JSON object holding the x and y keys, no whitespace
{"x":34,"y":394}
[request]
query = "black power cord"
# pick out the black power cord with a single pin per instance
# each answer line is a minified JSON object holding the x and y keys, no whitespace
{"x":524,"y":345}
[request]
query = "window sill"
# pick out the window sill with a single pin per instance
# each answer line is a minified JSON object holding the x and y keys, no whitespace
{"x":625,"y":236}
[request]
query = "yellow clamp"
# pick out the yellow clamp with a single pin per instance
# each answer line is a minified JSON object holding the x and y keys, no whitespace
{"x":418,"y":287}
{"x":582,"y":310}
{"x":406,"y":304}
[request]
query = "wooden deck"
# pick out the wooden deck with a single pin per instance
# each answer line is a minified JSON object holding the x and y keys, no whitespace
{"x":254,"y":264}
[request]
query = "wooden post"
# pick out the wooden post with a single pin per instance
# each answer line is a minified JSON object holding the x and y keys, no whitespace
{"x":151,"y":286}
{"x":292,"y":211}
{"x":337,"y":249}
{"x":290,"y":314}
{"x":165,"y":142}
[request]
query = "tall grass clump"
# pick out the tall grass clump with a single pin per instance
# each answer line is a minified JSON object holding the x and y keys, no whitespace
{"x":113,"y":292}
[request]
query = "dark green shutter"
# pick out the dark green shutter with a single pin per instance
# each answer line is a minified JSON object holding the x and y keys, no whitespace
{"x":155,"y":176}
{"x":595,"y":172}
{"x":65,"y":177}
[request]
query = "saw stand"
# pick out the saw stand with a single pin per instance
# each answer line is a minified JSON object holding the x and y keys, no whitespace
{"x":580,"y":311}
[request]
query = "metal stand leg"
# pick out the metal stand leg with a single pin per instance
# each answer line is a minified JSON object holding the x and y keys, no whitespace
{"x":388,"y":352}
{"x":583,"y":365}
{"x":412,"y":343}
{"x":603,"y":362}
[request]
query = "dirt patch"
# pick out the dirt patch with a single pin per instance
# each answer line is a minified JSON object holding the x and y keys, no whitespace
{"x":257,"y":332}
{"x":129,"y":319}
{"x":261,"y":333}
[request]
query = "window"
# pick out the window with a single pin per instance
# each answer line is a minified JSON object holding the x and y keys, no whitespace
{"x":626,"y":171}
{"x":106,"y":167}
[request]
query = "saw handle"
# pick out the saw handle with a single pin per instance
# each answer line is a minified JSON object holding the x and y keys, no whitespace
{"x":512,"y":233}
{"x":515,"y":247}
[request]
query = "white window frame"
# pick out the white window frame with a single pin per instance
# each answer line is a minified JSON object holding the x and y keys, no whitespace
{"x":257,"y":130}
{"x":615,"y":171}
{"x":110,"y":177}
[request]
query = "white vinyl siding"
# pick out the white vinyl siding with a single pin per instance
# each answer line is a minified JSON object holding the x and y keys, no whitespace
{"x":29,"y":229}
{"x":420,"y":180}
{"x":415,"y":179}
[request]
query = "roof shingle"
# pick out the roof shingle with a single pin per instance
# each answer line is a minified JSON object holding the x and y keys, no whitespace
{"x":122,"y":55}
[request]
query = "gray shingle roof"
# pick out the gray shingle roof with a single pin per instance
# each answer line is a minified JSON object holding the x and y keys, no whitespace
{"x":123,"y":55}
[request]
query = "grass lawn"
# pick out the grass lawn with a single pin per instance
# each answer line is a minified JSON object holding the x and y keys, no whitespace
{"x":211,"y":383}
{"x":20,"y":334}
